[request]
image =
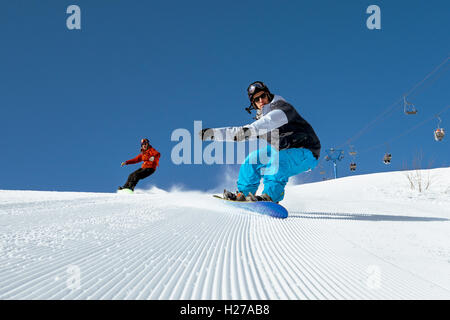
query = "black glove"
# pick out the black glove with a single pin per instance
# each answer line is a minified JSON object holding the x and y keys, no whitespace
{"x":206,"y":134}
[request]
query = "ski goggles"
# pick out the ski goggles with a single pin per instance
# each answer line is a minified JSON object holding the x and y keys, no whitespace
{"x":263,"y":96}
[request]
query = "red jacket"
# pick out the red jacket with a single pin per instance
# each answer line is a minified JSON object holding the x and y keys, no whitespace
{"x":145,"y":156}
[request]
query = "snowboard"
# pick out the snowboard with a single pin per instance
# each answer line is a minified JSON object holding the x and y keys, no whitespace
{"x":268,"y":208}
{"x":127,"y":191}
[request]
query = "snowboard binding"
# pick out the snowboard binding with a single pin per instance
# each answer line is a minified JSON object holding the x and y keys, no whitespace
{"x":239,"y":196}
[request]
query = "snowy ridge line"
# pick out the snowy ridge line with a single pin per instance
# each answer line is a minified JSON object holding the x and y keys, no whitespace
{"x":116,"y":273}
{"x":358,"y":270}
{"x":43,"y":273}
{"x":227,"y":268}
{"x":400,"y":288}
{"x":159,"y":271}
{"x":133,"y":262}
{"x":302,"y":244}
{"x":337,"y":278}
{"x":273,"y":236}
{"x":398,"y":267}
{"x":357,"y":216}
{"x":310,"y":246}
{"x":281,"y":265}
{"x":138,"y":262}
{"x":193,"y":250}
{"x":214,"y":279}
{"x":191,"y":246}
{"x":162,"y":269}
{"x":50,"y":204}
{"x":338,"y":287}
{"x":202,"y":259}
{"x":249,"y":272}
{"x":34,"y":276}
{"x":268,"y":277}
{"x":197,"y":287}
{"x":240,"y":261}
{"x":224,"y":270}
{"x":315,"y":281}
{"x":89,"y":249}
{"x":311,"y":285}
{"x":414,"y":291}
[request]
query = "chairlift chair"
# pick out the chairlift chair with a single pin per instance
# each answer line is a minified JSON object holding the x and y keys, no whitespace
{"x":352,"y":153}
{"x":408,"y":107}
{"x":439,"y":133}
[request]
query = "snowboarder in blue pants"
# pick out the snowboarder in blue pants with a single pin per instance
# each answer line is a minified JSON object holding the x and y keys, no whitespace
{"x":291,"y":162}
{"x":293,"y":146}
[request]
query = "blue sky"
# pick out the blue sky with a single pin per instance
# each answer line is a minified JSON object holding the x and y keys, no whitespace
{"x":75,"y":103}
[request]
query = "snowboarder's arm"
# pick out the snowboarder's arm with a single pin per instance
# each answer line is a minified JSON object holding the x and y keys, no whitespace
{"x":134,"y":160}
{"x":272,"y":120}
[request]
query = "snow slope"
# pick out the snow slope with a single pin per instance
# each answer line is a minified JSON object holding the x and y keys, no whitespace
{"x":361,"y":237}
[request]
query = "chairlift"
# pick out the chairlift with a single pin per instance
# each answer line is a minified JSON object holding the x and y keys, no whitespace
{"x":439,"y":133}
{"x":352,"y":153}
{"x":408,"y":107}
{"x":387,"y":158}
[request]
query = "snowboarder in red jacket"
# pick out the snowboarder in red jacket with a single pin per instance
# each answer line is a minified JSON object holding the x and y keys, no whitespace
{"x":151,"y":160}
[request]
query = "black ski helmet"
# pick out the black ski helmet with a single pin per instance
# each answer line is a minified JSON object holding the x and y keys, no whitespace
{"x":253,"y":89}
{"x":145,"y":140}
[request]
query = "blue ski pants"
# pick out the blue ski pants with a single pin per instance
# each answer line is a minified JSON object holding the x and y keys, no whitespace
{"x":275,"y":167}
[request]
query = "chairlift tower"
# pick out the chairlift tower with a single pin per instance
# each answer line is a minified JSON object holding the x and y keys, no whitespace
{"x":335,"y":156}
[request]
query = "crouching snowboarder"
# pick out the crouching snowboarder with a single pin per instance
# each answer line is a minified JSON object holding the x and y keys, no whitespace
{"x":151,"y":160}
{"x":296,"y":149}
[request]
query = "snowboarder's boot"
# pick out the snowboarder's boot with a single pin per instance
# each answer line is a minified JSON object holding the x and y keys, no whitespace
{"x":126,"y":187}
{"x":251,"y":197}
{"x":238,"y":196}
{"x":265,"y":197}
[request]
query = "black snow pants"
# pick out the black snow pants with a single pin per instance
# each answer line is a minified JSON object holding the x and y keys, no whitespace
{"x":137,"y":175}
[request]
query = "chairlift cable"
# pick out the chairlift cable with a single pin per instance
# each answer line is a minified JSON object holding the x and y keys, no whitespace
{"x":393,"y":106}
{"x":406,"y":132}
